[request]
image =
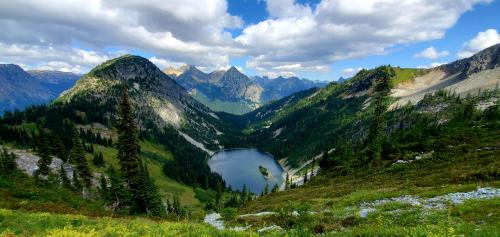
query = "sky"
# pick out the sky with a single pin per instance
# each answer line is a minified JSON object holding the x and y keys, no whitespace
{"x":315,"y":39}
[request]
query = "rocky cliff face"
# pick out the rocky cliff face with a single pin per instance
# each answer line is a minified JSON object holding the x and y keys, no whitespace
{"x":486,"y":59}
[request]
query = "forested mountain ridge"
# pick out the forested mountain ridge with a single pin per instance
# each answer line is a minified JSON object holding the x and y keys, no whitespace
{"x":305,"y":124}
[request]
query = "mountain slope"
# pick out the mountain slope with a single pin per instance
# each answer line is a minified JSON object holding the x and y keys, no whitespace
{"x":340,"y":114}
{"x":465,"y":76}
{"x":159,"y":100}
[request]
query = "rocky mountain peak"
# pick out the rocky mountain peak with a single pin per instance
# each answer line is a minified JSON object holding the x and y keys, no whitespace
{"x":488,"y":58}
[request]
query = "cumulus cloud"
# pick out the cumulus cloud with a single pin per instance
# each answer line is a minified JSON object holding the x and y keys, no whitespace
{"x":483,"y":40}
{"x":52,"y":58}
{"x":349,"y":72}
{"x":432,"y":65}
{"x":337,"y":30}
{"x":191,"y":31}
{"x":295,"y":38}
{"x":431,"y":53}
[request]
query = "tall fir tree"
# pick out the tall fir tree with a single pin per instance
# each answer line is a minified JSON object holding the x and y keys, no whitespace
{"x":132,"y":169}
{"x":266,"y":189}
{"x":287,"y":181}
{"x":7,"y":162}
{"x":59,"y":149}
{"x":63,"y":176}
{"x":118,"y":195}
{"x":80,"y":162}
{"x":45,"y":158}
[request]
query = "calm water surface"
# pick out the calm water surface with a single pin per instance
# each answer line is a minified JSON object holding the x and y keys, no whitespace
{"x":241,"y":166}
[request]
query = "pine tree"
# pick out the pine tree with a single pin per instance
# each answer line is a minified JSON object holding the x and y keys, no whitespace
{"x":305,"y":177}
{"x":63,"y":176}
{"x":266,"y":189}
{"x":77,"y":184}
{"x":103,"y":188}
{"x":98,"y":159}
{"x":80,"y":162}
{"x":45,"y":158}
{"x":155,"y":204}
{"x":137,"y":180}
{"x":275,"y":188}
{"x":60,"y":150}
{"x":7,"y":162}
{"x":118,"y":195}
{"x":287,"y":181}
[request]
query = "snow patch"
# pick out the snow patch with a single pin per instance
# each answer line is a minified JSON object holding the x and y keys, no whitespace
{"x":277,"y":132}
{"x":196,"y":143}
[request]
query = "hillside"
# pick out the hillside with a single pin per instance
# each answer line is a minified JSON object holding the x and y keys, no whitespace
{"x":342,"y":111}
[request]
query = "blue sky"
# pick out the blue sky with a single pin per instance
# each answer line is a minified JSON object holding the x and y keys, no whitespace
{"x":315,"y":39}
{"x":483,"y":17}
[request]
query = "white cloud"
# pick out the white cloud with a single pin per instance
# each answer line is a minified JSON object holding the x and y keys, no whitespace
{"x":337,"y":30}
{"x":432,"y":65}
{"x":190,"y":31}
{"x":431,"y":53}
{"x":349,"y":72}
{"x":483,"y":40}
{"x":51,"y":58}
{"x":296,"y":38}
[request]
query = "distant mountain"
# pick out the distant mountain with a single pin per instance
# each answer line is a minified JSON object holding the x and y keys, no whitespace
{"x":233,"y":92}
{"x":280,"y":87}
{"x":19,"y":88}
{"x":55,"y":81}
{"x":230,"y":91}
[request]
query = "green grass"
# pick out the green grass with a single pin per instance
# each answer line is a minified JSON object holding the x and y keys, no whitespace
{"x":406,"y":75}
{"x":18,"y":223}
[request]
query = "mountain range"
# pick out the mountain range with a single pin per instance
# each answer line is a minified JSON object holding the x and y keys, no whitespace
{"x":383,"y":152}
{"x":232,"y":91}
{"x":20,"y":88}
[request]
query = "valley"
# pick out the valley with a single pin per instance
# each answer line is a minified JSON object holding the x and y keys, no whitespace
{"x":390,"y":151}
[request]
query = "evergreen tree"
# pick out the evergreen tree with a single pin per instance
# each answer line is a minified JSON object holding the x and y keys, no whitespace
{"x":305,"y":177}
{"x":118,"y":195}
{"x":155,"y":204}
{"x":98,"y":159}
{"x":45,"y":158}
{"x":77,"y":184}
{"x":287,"y":181}
{"x":60,"y":150}
{"x":275,"y":188}
{"x":218,"y":198}
{"x":63,"y":176}
{"x":103,"y":188}
{"x":376,"y":133}
{"x":80,"y":162}
{"x":266,"y":189}
{"x":131,"y":167}
{"x":7,"y":162}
